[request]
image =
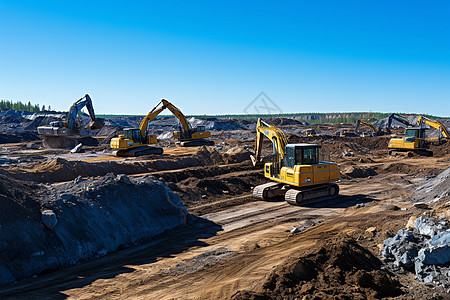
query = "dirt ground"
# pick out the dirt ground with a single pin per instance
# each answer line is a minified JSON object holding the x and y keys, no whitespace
{"x":242,"y":248}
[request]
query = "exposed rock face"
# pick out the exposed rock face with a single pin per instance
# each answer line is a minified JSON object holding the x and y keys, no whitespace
{"x":52,"y":227}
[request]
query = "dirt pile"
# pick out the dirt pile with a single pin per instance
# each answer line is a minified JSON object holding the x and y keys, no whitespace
{"x":48,"y":228}
{"x":59,"y":169}
{"x":340,"y":145}
{"x":357,"y":172}
{"x":284,"y":122}
{"x":18,"y":137}
{"x":339,"y":270}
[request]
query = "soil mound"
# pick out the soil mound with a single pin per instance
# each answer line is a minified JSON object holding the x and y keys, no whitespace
{"x":357,"y":172}
{"x":339,"y":270}
{"x":59,"y":169}
{"x":48,"y":228}
{"x":283,"y":121}
{"x":18,"y":137}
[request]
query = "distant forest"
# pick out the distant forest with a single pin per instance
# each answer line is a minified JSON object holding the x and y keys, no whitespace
{"x":18,"y":105}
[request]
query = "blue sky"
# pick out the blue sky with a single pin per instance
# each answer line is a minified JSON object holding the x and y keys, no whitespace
{"x":211,"y":57}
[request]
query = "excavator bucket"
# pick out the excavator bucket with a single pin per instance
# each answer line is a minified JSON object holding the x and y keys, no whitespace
{"x":59,"y":142}
{"x":97,"y":124}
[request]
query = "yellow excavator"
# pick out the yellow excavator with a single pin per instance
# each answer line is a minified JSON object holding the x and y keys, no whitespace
{"x":188,"y":136}
{"x":137,"y":141}
{"x":415,"y":139}
{"x":375,"y":130}
{"x":295,"y":170}
{"x":444,"y":134}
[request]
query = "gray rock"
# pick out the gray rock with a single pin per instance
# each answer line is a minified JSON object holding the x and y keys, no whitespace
{"x":123,"y":178}
{"x":391,"y":245}
{"x":426,"y":226}
{"x":435,"y":255}
{"x":49,"y":219}
{"x":407,"y":258}
{"x":441,"y":239}
{"x":76,"y":149}
{"x":78,"y":179}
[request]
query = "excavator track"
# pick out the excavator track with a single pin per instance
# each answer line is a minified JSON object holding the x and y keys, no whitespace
{"x":421,"y":152}
{"x":268,"y":191}
{"x":138,"y":151}
{"x":298,"y":196}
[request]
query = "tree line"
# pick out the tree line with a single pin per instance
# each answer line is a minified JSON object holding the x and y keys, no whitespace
{"x":19,"y":105}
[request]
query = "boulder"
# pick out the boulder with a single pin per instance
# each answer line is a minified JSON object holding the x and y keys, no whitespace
{"x":49,"y":219}
{"x":435,"y":255}
{"x":441,"y":239}
{"x":426,"y":226}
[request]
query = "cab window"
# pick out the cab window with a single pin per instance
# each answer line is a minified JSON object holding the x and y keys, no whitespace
{"x":412,"y":133}
{"x":306,"y":156}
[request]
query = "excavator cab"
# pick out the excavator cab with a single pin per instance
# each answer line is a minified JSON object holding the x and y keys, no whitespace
{"x":200,"y":128}
{"x":414,"y":133}
{"x":301,"y":154}
{"x":133,"y":134}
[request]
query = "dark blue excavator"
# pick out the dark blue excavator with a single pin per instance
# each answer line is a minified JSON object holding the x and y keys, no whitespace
{"x":67,"y":133}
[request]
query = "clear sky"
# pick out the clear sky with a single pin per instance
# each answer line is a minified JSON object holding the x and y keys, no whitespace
{"x":215,"y":57}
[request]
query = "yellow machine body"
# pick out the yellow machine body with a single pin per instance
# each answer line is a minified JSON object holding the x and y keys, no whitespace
{"x":304,"y":175}
{"x":121,"y":142}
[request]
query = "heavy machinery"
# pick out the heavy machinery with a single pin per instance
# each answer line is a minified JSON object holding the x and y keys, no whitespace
{"x":188,"y":136}
{"x":375,"y":131}
{"x":416,"y":140}
{"x":67,"y":133}
{"x":137,"y":141}
{"x":400,"y":119}
{"x":295,"y":170}
{"x":444,"y":135}
{"x":310,"y":132}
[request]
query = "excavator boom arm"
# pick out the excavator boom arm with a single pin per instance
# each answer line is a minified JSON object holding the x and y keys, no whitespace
{"x":435,"y":124}
{"x":151,"y":116}
{"x":275,"y":135}
{"x":178,"y":114}
{"x":400,"y":119}
{"x":158,"y":109}
{"x":364,"y":122}
{"x":77,"y":106}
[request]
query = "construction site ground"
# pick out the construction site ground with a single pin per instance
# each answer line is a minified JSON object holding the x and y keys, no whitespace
{"x":237,"y":246}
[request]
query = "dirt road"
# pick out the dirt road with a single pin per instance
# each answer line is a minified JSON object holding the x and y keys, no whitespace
{"x":216,"y":256}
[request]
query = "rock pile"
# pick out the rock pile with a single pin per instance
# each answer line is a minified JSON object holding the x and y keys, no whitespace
{"x":423,"y":248}
{"x":45,"y":228}
{"x":435,"y":189}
